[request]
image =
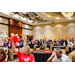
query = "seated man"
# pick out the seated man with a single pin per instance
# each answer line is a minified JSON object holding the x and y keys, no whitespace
{"x":57,"y":43}
{"x":58,"y":56}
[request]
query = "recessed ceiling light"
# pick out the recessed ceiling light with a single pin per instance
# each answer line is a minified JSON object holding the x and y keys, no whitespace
{"x":70,"y":18}
{"x":57,"y":18}
{"x":43,"y":12}
{"x":48,"y":16}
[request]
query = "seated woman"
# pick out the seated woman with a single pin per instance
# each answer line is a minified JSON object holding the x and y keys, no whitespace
{"x":24,"y":56}
{"x":2,"y":55}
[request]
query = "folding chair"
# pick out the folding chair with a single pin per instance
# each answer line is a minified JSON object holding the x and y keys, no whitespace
{"x":63,"y":51}
{"x":47,"y":48}
{"x":72,"y":48}
{"x":37,"y":48}
{"x":31,"y":49}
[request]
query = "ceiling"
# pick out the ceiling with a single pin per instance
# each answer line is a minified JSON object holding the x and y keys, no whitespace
{"x":37,"y":18}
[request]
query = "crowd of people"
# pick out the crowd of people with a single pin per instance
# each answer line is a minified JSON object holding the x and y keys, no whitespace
{"x":25,"y":45}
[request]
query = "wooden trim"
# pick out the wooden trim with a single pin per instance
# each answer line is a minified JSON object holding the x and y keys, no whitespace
{"x":9,"y":28}
{"x":4,"y":17}
{"x":26,"y":28}
{"x":22,"y":27}
{"x":26,"y":24}
{"x":15,"y":20}
{"x":4,"y":24}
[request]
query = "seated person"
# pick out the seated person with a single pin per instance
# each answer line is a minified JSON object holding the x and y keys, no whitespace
{"x":58,"y":56}
{"x":49,"y":44}
{"x":21,"y":43}
{"x":54,"y":40}
{"x":65,"y":43}
{"x":61,"y":42}
{"x":72,"y":40}
{"x":2,"y":55}
{"x":9,"y":43}
{"x":40,"y":42}
{"x":70,"y":44}
{"x":57,"y":43}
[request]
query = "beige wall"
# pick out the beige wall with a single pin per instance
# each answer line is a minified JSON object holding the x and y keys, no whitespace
{"x":26,"y":26}
{"x":26,"y":32}
{"x":3,"y":20}
{"x":52,"y":30}
{"x":3,"y":29}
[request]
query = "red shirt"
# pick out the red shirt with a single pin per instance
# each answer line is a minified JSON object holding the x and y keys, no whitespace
{"x":25,"y":58}
{"x":3,"y":61}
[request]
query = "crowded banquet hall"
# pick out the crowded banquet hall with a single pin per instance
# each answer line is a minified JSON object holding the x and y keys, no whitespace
{"x":37,"y":36}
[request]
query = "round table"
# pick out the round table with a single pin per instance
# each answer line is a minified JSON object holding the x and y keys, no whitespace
{"x":41,"y":56}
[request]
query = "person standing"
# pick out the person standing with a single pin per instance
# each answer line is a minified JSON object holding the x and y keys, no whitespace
{"x":5,"y":42}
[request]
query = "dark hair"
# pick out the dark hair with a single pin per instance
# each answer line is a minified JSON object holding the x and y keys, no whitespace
{"x":2,"y":51}
{"x":20,"y":40}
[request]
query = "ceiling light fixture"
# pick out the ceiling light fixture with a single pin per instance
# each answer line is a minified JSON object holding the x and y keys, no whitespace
{"x":70,"y":18}
{"x":57,"y":18}
{"x":67,"y":14}
{"x":48,"y":16}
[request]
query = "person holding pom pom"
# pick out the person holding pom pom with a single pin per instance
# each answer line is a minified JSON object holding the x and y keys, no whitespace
{"x":24,"y":56}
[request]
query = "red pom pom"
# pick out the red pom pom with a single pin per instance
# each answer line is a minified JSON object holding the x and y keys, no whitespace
{"x":46,"y":52}
{"x":14,"y":38}
{"x":33,"y":51}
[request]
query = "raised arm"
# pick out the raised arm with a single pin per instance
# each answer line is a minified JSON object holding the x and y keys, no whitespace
{"x":50,"y":59}
{"x":13,"y":47}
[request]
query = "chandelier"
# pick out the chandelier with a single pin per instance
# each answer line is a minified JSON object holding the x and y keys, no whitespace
{"x":67,"y":14}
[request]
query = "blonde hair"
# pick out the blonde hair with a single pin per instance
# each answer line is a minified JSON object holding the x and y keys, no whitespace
{"x":28,"y":49}
{"x":72,"y":55}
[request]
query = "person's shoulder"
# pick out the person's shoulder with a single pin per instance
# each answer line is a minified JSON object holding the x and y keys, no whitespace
{"x":65,"y":56}
{"x":31,"y":55}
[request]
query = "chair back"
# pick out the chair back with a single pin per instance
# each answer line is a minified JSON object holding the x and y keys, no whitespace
{"x":67,"y":48}
{"x":63,"y":51}
{"x":72,"y":48}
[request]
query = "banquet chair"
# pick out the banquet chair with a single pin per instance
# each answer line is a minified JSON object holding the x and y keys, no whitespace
{"x":54,"y":49}
{"x":6,"y":58}
{"x":43,"y":46}
{"x":67,"y":48}
{"x":37,"y":48}
{"x":7,"y":51}
{"x":51,"y":46}
{"x":63,"y":51}
{"x":40,"y":47}
{"x":47,"y":48}
{"x":72,"y":48}
{"x":31,"y":49}
{"x":34,"y":47}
